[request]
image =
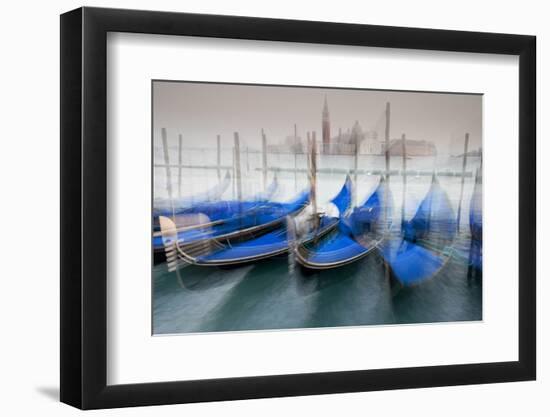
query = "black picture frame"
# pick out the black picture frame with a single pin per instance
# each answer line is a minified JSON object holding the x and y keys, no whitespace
{"x":84,"y":207}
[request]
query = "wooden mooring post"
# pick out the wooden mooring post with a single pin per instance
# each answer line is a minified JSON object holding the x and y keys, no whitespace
{"x":233,"y":176}
{"x":387,"y":184}
{"x":180,"y":162}
{"x":404,"y":173}
{"x":218,"y":157}
{"x":464,"y":161}
{"x":264,"y":160}
{"x":387,"y":161}
{"x":237,"y":151}
{"x":387,"y":142}
{"x":313,"y":167}
{"x":308,"y":150}
{"x":295,"y":158}
{"x":167,"y":165}
{"x":355,"y":169}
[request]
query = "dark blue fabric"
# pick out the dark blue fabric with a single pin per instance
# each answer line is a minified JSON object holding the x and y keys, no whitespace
{"x":261,"y":246}
{"x":434,"y":221}
{"x":265,"y":245}
{"x":476,"y":226}
{"x":340,"y":246}
{"x":434,"y":215}
{"x":253,"y":216}
{"x":336,"y":248}
{"x":411,"y":263}
{"x":476,"y":217}
{"x":363,"y":218}
{"x":343,"y":198}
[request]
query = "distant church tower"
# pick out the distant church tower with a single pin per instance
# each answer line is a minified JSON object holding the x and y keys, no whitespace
{"x":326,"y":128}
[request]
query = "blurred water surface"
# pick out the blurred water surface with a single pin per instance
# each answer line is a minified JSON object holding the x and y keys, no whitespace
{"x":266,"y":296}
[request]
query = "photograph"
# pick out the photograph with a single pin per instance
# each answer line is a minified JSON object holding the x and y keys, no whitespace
{"x":275,"y":208}
{"x":295,"y":207}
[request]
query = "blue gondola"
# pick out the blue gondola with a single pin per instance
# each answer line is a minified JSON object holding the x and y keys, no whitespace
{"x":207,"y":217}
{"x":216,"y":210}
{"x":246,"y":218}
{"x":258,"y":245}
{"x":476,"y":229}
{"x":420,"y":249}
{"x":206,"y":214}
{"x":357,"y":235}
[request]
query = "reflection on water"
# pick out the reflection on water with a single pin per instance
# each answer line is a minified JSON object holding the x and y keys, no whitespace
{"x":265,"y":295}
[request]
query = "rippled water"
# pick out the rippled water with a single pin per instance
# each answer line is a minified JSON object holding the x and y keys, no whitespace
{"x":266,"y":296}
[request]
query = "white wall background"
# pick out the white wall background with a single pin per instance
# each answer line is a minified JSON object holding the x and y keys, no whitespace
{"x":29,"y":300}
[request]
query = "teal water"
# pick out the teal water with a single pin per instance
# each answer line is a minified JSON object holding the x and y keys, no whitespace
{"x":266,"y":296}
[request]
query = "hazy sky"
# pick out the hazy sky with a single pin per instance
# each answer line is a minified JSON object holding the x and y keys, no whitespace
{"x":201,"y":111}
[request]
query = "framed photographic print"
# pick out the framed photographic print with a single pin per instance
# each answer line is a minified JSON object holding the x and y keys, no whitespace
{"x":258,"y":207}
